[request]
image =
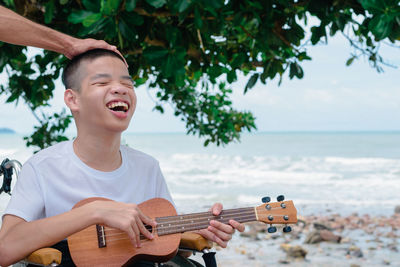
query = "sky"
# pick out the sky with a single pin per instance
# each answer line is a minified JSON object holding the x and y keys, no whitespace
{"x":330,"y":97}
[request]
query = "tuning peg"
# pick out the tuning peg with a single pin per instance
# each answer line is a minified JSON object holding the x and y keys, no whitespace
{"x":280,"y":198}
{"x":266,"y":199}
{"x":287,"y":229}
{"x":271,"y":229}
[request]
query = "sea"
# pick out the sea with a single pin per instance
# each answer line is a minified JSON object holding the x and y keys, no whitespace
{"x":322,"y":172}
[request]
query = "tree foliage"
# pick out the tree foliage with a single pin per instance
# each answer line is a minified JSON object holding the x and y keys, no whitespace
{"x":191,"y":52}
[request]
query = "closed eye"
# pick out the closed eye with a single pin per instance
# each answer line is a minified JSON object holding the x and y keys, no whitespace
{"x":129,"y":85}
{"x":100,"y":83}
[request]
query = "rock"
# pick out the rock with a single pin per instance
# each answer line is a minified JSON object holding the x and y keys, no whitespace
{"x":313,"y":238}
{"x":323,"y":235}
{"x":354,"y":265}
{"x":251,"y":233}
{"x":386,"y":262}
{"x":252,"y":230}
{"x":322,"y":226}
{"x":251,"y":256}
{"x":397,"y":209}
{"x":284,"y":261}
{"x":392,"y":247}
{"x":294,"y":251}
{"x":330,"y":237}
{"x":345,"y":240}
{"x":355,"y":252}
{"x":241,"y":251}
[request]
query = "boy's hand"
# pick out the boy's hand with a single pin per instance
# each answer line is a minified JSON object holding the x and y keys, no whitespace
{"x":219,"y":232}
{"x":126,"y":217}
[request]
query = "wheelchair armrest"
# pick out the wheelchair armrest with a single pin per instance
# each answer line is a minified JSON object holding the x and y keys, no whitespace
{"x":45,"y":256}
{"x":194,"y":241}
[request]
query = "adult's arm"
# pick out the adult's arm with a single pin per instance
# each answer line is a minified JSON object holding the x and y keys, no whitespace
{"x":18,"y":30}
{"x":19,"y":238}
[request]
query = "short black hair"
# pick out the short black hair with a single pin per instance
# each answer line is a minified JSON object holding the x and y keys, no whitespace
{"x":70,"y":76}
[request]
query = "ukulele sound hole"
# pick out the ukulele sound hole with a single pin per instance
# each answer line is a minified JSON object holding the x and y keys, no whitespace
{"x":149,"y":228}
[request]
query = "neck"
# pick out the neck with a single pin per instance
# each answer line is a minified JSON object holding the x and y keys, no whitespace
{"x":100,"y":152}
{"x":196,"y":221}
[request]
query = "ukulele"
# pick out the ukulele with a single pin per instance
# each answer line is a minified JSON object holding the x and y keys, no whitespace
{"x":99,"y":245}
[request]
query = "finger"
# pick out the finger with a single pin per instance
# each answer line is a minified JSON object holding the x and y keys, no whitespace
{"x":132,"y":236}
{"x":213,"y":237}
{"x":106,"y":45}
{"x":137,"y":233}
{"x":147,"y":220}
{"x":144,"y":231}
{"x":236,"y":225}
{"x":222,"y":227}
{"x":126,"y":63}
{"x":216,"y":209}
{"x":220,"y":234}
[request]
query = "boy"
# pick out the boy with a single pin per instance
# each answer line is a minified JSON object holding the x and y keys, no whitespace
{"x":101,"y":97}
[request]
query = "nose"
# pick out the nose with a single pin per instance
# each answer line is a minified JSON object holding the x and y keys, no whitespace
{"x":118,"y":89}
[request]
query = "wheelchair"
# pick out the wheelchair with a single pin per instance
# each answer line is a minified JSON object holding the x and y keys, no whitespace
{"x":191,"y":243}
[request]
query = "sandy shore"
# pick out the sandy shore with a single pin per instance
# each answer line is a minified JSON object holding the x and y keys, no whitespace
{"x":332,"y":240}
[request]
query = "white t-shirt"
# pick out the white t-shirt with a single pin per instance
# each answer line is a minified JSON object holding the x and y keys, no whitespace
{"x":55,"y":179}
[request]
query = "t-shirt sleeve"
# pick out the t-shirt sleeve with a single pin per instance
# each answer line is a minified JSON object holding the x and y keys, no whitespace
{"x":162,"y":188}
{"x":27,"y":196}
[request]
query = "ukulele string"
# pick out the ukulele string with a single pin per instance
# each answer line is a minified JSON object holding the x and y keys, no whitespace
{"x":201,"y":223}
{"x":235,"y":213}
{"x":176,"y":229}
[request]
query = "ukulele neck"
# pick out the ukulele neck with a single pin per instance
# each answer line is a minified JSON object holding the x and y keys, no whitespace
{"x":196,"y":221}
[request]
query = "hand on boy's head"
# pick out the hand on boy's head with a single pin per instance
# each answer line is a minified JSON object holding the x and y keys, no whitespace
{"x":80,"y":46}
{"x":219,"y":232}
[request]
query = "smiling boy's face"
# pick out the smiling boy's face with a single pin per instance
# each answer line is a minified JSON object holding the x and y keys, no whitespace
{"x":106,"y":100}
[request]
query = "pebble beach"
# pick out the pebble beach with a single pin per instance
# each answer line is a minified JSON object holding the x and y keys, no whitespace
{"x":326,"y":240}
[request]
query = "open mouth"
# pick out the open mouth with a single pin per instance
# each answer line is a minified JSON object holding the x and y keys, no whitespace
{"x":118,"y":106}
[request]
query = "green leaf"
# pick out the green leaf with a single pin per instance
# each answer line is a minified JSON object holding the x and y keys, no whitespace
{"x":159,"y":108}
{"x":295,"y":70}
{"x":252,"y":81}
{"x":381,"y":26}
{"x":374,"y":6}
{"x":109,"y":7}
{"x":213,"y":4}
{"x":231,"y":76}
{"x":132,"y":19}
{"x":89,"y":20}
{"x":63,"y":2}
{"x":9,"y":3}
{"x":126,"y":31}
{"x":317,"y":33}
{"x":198,"y":21}
{"x":92,"y":5}
{"x":78,"y":16}
{"x":350,"y":61}
{"x":238,"y":60}
{"x":130,"y":5}
{"x":155,"y":54}
{"x":182,"y":5}
{"x":156,"y":3}
{"x":49,"y":12}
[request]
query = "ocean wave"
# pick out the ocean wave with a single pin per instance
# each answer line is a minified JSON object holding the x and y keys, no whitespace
{"x":7,"y":152}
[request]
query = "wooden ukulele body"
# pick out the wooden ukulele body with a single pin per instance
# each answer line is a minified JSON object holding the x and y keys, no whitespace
{"x":119,"y":251}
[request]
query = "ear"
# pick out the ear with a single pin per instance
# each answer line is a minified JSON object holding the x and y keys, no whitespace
{"x":71,"y":99}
